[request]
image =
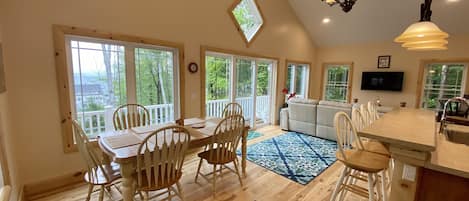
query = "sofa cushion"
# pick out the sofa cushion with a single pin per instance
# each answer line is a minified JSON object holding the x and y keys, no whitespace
{"x":302,"y":127}
{"x":302,"y":112}
{"x":326,"y":114}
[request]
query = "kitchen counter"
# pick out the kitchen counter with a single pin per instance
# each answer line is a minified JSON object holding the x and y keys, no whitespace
{"x":416,"y":146}
{"x":449,"y":157}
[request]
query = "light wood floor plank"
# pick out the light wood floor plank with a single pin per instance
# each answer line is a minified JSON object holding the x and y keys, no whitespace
{"x":260,"y":184}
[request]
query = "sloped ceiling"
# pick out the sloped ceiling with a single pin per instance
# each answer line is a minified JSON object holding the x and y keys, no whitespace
{"x":376,"y":20}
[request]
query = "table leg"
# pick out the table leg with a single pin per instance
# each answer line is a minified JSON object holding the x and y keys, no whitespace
{"x":244,"y":141}
{"x":128,"y":191}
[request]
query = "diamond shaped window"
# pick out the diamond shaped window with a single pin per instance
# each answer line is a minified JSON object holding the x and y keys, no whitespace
{"x":248,"y":18}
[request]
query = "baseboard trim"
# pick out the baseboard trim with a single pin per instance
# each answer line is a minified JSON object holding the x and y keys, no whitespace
{"x":51,"y":186}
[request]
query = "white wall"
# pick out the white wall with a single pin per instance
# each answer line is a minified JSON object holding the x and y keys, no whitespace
{"x":364,"y":57}
{"x":29,"y":58}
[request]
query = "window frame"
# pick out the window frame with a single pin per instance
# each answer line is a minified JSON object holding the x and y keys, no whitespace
{"x":422,"y":77}
{"x":62,"y":64}
{"x":325,"y":66}
{"x":238,"y":27}
{"x":308,"y":75}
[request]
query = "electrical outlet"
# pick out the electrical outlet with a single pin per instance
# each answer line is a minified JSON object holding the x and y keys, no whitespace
{"x":409,"y":173}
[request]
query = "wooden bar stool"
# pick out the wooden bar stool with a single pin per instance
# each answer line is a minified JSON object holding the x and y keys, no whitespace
{"x":358,"y":162}
{"x":374,"y":146}
{"x":360,"y":122}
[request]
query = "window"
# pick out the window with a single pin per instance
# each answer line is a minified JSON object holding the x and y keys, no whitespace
{"x":442,"y":81}
{"x":248,"y":18}
{"x":337,"y":82}
{"x":298,"y":79}
{"x":245,"y":80}
{"x":96,"y":75}
{"x":107,"y":74}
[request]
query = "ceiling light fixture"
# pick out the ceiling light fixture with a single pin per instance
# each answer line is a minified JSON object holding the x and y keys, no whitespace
{"x":345,"y":4}
{"x":424,"y":35}
{"x":326,"y":20}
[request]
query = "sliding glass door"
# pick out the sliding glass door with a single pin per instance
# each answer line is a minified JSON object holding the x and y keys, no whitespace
{"x":245,"y":87}
{"x":247,"y":81}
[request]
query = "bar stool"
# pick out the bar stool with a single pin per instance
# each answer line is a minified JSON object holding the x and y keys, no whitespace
{"x":358,"y":162}
{"x":374,"y":146}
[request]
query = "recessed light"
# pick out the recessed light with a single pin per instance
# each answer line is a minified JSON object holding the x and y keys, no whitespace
{"x":453,"y":1}
{"x":326,"y":20}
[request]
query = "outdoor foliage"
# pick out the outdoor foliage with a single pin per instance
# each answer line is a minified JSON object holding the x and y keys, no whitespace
{"x":336,"y":86}
{"x":442,"y":83}
{"x":244,"y":14}
{"x":218,"y":78}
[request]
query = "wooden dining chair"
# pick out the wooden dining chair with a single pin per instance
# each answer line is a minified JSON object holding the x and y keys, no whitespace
{"x":222,"y":149}
{"x":358,"y":162}
{"x":129,"y":116}
{"x":97,"y":174}
{"x":232,"y":109}
{"x":160,"y":160}
{"x":373,"y":110}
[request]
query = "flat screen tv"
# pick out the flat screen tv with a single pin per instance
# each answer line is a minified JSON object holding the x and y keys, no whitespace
{"x":384,"y":81}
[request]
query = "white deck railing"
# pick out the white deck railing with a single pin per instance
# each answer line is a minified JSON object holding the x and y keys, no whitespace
{"x":214,"y":108}
{"x":95,"y":122}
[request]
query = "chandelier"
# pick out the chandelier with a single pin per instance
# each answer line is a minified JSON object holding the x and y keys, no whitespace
{"x":424,"y":35}
{"x":345,"y":4}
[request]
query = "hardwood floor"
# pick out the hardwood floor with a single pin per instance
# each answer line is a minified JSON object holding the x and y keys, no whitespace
{"x":260,"y":184}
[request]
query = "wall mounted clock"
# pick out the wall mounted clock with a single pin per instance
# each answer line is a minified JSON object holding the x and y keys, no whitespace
{"x":193,"y":67}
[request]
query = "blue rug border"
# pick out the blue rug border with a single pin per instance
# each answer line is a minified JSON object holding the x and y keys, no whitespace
{"x":286,"y":176}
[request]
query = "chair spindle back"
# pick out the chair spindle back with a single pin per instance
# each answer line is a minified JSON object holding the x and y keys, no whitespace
{"x":226,"y":138}
{"x":88,"y":153}
{"x":161,"y":157}
{"x":130,"y":115}
{"x":373,"y":110}
{"x":232,"y":109}
{"x":346,"y":133}
{"x":357,"y":119}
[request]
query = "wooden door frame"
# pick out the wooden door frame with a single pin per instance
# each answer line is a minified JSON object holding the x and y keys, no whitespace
{"x":424,"y":63}
{"x":350,"y":78}
{"x":204,"y":49}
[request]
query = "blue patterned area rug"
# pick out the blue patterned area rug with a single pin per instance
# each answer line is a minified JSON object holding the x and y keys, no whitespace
{"x":298,"y":157}
{"x":253,"y":135}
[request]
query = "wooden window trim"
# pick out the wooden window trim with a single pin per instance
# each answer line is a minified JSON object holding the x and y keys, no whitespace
{"x":423,"y":64}
{"x":205,"y":49}
{"x":62,"y":74}
{"x":350,"y":78}
{"x":238,"y":27}
{"x":308,"y":82}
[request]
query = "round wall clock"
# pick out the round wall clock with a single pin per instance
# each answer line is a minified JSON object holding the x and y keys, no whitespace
{"x":193,"y":67}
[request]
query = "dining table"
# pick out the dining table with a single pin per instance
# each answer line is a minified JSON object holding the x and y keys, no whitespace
{"x":121,"y":146}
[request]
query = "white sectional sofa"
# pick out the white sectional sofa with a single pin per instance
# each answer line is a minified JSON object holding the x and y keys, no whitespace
{"x":312,"y":117}
{"x":325,"y":118}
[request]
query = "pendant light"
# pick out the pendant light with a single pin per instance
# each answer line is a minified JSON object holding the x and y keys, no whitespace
{"x":424,"y":35}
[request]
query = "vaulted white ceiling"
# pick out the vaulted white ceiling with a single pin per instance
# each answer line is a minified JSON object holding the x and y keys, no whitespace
{"x":376,"y":20}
